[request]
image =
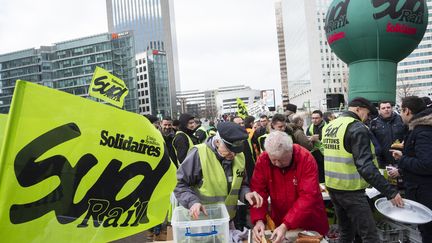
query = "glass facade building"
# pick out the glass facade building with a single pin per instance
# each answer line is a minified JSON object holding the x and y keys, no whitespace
{"x":152,"y":22}
{"x":68,"y":66}
{"x":414,"y":75}
{"x":309,"y":69}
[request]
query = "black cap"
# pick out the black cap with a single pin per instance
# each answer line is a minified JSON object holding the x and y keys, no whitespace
{"x":152,"y":118}
{"x":233,"y":135}
{"x":291,"y":107}
{"x":362,"y":102}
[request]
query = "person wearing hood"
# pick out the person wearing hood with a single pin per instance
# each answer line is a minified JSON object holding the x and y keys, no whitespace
{"x":416,"y":159}
{"x":184,"y":138}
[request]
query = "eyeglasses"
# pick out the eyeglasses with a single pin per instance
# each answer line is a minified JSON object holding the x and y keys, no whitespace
{"x":234,"y":144}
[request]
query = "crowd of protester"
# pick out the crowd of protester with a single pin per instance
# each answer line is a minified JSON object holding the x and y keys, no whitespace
{"x":249,"y":160}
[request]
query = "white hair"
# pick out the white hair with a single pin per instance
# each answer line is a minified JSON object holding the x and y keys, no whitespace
{"x":277,"y":143}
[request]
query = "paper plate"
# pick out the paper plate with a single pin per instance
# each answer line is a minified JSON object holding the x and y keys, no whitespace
{"x":412,"y":213}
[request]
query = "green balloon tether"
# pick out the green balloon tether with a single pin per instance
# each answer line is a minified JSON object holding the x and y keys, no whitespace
{"x":372,"y":36}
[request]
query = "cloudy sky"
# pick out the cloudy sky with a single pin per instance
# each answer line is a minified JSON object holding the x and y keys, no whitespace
{"x":220,"y":42}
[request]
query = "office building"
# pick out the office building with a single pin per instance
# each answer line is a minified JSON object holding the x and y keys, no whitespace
{"x":213,"y":103}
{"x":68,"y":66}
{"x":310,"y":71}
{"x":198,"y":103}
{"x":414,"y":75}
{"x":152,"y":22}
{"x":226,"y":97}
{"x":143,"y":84}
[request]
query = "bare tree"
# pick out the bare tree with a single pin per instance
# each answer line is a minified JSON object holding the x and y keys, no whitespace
{"x":404,"y":89}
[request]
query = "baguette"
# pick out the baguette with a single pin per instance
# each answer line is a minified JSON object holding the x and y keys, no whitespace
{"x":307,"y":240}
{"x":397,"y":145}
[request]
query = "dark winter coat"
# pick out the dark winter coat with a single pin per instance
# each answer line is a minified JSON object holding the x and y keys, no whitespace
{"x":387,"y":131}
{"x":416,"y":162}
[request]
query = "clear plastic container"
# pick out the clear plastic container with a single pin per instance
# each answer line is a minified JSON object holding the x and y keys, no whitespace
{"x":213,"y":228}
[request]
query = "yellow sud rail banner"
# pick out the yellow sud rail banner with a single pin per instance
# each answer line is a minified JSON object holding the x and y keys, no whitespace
{"x":3,"y":120}
{"x":108,"y":87}
{"x":74,"y":170}
{"x":241,"y":109}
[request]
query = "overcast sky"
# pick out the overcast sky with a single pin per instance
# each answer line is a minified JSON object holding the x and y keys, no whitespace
{"x":220,"y":42}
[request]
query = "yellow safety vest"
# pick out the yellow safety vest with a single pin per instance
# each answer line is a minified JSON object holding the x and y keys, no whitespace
{"x":189,"y":140}
{"x":261,"y":140}
{"x":214,"y":187}
{"x":250,"y":147}
{"x":318,"y":144}
{"x":340,"y":170}
{"x":205,"y":132}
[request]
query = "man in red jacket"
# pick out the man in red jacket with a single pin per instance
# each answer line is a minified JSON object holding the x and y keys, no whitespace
{"x":288,"y":174}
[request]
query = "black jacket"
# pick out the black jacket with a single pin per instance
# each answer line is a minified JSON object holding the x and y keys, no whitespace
{"x":180,"y":141}
{"x":416,"y":162}
{"x":387,"y":131}
{"x":357,"y":141}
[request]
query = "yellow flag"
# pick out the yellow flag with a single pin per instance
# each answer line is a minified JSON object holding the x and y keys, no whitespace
{"x":108,"y":87}
{"x":241,"y":109}
{"x":75,"y":170}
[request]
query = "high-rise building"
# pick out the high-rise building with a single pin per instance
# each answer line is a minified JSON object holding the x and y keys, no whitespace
{"x":69,"y":66}
{"x":414,"y":75}
{"x":309,"y":70}
{"x":152,"y":22}
{"x":143,"y":84}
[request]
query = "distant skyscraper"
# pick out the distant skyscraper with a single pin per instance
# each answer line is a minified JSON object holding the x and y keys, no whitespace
{"x":68,"y":66}
{"x":309,"y":69}
{"x":152,"y":22}
{"x":414,"y":75}
{"x":143,"y":82}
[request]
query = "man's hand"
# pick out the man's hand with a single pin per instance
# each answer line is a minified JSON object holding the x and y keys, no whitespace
{"x":314,"y":138}
{"x":279,"y":234}
{"x":258,"y":231}
{"x":396,"y":154}
{"x":398,"y":201}
{"x":254,"y":199}
{"x":393,"y":172}
{"x":194,"y":211}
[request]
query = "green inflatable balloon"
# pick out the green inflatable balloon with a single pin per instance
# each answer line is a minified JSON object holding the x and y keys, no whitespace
{"x":372,"y":36}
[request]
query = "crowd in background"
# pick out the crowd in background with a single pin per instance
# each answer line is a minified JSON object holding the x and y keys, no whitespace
{"x":367,"y":135}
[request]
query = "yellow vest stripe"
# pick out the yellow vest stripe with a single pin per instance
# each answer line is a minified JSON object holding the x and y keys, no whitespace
{"x":338,"y":159}
{"x":343,"y":176}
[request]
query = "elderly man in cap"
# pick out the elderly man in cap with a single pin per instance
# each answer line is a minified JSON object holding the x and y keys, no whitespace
{"x":350,"y":166}
{"x":214,"y":172}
